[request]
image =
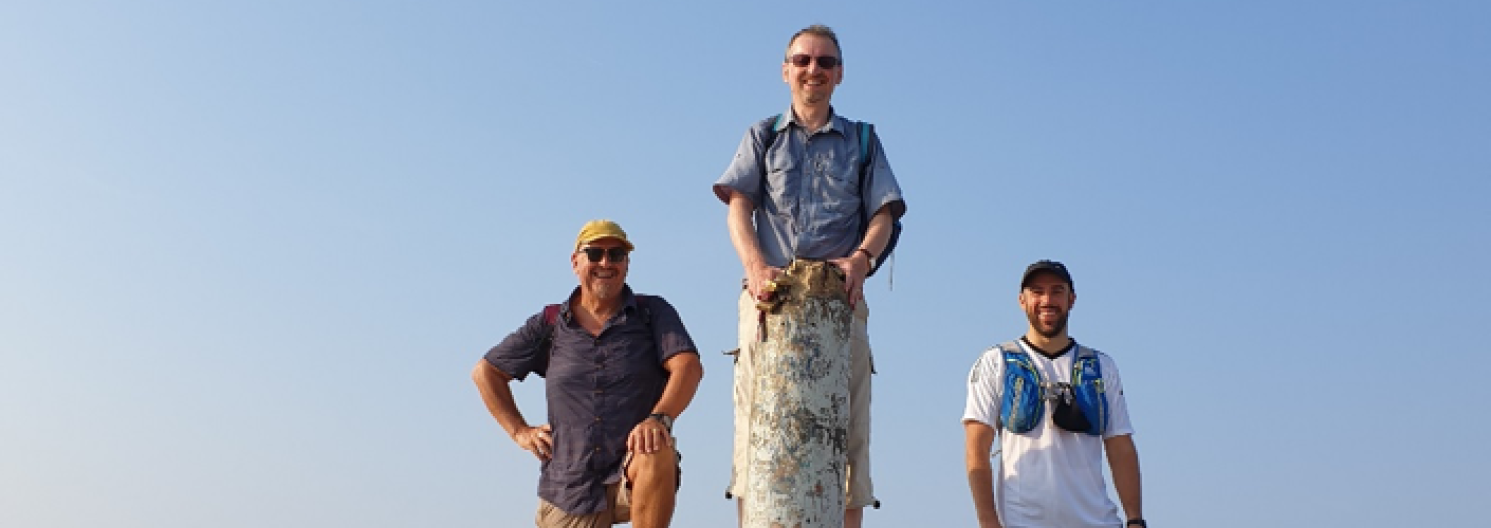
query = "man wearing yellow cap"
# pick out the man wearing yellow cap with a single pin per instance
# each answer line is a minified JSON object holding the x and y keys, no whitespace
{"x":619,"y":368}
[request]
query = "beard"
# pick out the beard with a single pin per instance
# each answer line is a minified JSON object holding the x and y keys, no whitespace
{"x":1055,"y":330}
{"x":605,"y":290}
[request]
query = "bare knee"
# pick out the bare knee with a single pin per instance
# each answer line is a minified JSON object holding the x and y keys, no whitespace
{"x":658,"y":467}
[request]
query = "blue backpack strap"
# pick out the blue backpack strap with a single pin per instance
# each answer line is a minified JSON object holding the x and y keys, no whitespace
{"x":1088,"y":390}
{"x":769,"y":137}
{"x":867,"y":158}
{"x":1021,"y":405}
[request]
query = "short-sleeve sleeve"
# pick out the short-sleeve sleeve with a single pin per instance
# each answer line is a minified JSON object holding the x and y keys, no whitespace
{"x":522,"y":351}
{"x":745,"y":173}
{"x":668,"y":330}
{"x":984,"y":385}
{"x":1118,"y":406}
{"x":883,"y":189}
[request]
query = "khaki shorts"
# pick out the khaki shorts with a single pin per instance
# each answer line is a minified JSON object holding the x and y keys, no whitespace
{"x":859,"y":489}
{"x":618,"y":497}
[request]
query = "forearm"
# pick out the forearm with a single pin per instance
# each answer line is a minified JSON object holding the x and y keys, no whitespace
{"x":684,"y":374}
{"x":1123,"y":461}
{"x":981,"y":484}
{"x":743,"y":231}
{"x":978,"y":438}
{"x":498,"y":397}
{"x":877,"y":235}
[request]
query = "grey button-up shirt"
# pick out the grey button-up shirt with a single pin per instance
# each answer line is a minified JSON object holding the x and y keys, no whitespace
{"x":806,"y":187}
{"x":598,"y":388}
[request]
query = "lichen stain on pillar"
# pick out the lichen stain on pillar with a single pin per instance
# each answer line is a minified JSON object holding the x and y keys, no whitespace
{"x":800,"y":416}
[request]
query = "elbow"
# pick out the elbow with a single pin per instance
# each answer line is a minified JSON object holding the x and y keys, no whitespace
{"x":693,"y":372}
{"x":481,"y":374}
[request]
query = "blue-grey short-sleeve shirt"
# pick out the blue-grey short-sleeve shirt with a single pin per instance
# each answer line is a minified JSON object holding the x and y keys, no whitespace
{"x":598,"y":388}
{"x":805,"y":185}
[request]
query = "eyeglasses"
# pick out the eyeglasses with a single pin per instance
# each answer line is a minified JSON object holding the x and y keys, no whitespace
{"x":802,"y":60}
{"x":617,"y":254}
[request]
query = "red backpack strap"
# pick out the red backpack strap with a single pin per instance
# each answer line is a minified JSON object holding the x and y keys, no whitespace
{"x":551,"y":314}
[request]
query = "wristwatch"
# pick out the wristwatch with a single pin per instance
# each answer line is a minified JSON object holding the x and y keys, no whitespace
{"x":664,"y":419}
{"x":868,"y":254}
{"x":1137,"y":522}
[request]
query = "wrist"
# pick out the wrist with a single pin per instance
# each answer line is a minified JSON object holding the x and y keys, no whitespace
{"x":1137,"y":522}
{"x":664,"y":419}
{"x":869,"y":256}
{"x":514,"y":432}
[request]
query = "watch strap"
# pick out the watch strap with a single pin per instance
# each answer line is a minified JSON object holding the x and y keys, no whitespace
{"x":664,"y":419}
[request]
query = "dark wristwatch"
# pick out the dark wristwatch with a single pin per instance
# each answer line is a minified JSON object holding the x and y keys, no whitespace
{"x":664,"y":419}
{"x":1137,"y":522}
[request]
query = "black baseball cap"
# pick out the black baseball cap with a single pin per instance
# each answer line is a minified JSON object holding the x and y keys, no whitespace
{"x":1047,"y":266}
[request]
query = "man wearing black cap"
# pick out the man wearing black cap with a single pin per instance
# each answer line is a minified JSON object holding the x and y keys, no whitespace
{"x":1057,"y":407}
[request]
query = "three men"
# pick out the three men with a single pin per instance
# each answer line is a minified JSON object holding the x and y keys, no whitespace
{"x":619,"y":368}
{"x":1056,"y":407}
{"x":805,"y":186}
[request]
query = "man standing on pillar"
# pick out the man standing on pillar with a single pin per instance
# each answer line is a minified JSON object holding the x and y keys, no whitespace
{"x":810,"y":185}
{"x":619,"y":369}
{"x":1057,"y":408}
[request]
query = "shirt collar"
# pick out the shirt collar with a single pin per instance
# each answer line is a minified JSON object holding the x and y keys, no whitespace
{"x":790,"y":118}
{"x":628,"y":302}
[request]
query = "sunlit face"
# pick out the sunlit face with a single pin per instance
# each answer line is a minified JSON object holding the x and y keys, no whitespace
{"x":1047,"y":301}
{"x":604,"y":279}
{"x":812,"y":84}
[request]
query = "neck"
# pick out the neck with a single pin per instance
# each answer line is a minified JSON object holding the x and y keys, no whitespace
{"x":811,"y":116}
{"x":602,"y":309}
{"x":1050,"y":344}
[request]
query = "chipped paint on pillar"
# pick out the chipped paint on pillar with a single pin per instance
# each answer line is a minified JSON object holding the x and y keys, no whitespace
{"x":800,"y":417}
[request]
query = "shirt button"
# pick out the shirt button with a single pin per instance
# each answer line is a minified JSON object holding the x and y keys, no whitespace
{"x":597,"y":449}
{"x":597,"y":418}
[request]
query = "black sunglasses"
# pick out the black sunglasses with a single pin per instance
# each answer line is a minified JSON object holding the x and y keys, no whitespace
{"x":802,"y":60}
{"x":617,"y":254}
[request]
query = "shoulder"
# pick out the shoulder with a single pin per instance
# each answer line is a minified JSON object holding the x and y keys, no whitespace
{"x":989,"y":364}
{"x":655,"y":306}
{"x":648,"y":301}
{"x":1109,"y":365}
{"x":768,"y":123}
{"x":765,"y":127}
{"x":1084,"y":349}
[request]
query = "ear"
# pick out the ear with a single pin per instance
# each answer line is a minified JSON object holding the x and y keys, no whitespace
{"x":840,"y":75}
{"x":785,"y":69}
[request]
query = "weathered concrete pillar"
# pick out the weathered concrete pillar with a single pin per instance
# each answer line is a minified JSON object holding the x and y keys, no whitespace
{"x":799,"y":433}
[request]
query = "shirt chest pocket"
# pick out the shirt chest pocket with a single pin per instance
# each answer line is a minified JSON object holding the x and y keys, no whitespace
{"x":834,"y":182}
{"x":783,"y":177}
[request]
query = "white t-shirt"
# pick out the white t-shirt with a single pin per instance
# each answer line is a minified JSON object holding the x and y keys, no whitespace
{"x":1048,"y":477}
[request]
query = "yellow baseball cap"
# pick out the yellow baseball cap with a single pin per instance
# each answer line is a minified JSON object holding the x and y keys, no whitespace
{"x":597,"y":229}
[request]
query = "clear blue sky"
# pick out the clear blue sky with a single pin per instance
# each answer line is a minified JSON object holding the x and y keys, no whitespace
{"x":250,"y":251}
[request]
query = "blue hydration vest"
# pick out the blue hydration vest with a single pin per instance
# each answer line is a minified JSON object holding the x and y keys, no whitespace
{"x":1023,"y":402}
